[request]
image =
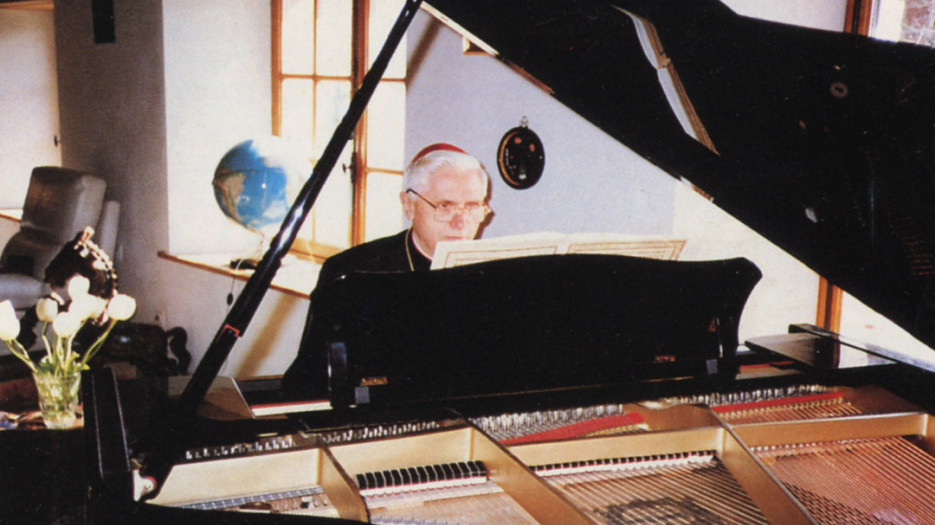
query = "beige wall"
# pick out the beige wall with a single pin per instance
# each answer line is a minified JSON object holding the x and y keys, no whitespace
{"x":28,"y":100}
{"x":113,"y":124}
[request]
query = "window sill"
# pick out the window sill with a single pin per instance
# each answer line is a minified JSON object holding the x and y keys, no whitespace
{"x":296,"y":276}
{"x":11,"y":214}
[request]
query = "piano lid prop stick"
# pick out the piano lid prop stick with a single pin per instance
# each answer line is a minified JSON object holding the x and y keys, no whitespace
{"x":252,"y":294}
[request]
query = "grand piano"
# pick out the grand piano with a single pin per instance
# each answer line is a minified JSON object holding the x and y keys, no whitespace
{"x":602,"y":389}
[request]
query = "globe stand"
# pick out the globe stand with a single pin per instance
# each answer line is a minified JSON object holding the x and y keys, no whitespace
{"x":244,"y":264}
{"x":251,"y":263}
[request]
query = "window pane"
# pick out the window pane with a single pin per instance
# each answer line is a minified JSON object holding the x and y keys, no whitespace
{"x":384,"y":214}
{"x":904,"y":21}
{"x":317,"y":42}
{"x":382,"y":15}
{"x":865,"y":324}
{"x":333,"y":53}
{"x":298,"y":36}
{"x":307,"y":230}
{"x":386,"y":116}
{"x":331,"y":101}
{"x":333,"y":208}
{"x":297,"y":114}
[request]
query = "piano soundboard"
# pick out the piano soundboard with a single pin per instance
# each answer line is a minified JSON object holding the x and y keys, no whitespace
{"x":799,"y":454}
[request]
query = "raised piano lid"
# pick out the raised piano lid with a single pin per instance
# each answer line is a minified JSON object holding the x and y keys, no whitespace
{"x":819,"y":141}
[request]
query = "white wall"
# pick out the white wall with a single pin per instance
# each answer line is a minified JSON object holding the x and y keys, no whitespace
{"x":817,"y":14}
{"x":590,"y":182}
{"x":218,"y":92}
{"x":113,"y":124}
{"x":28,"y":100}
{"x":787,"y":292}
{"x":153,"y":112}
{"x":196,"y":300}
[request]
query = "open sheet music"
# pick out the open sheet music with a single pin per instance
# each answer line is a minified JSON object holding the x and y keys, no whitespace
{"x":457,"y":253}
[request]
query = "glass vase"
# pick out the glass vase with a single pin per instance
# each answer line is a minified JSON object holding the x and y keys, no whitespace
{"x":58,"y":398}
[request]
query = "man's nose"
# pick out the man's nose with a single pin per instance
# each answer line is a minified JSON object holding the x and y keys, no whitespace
{"x":457,"y":220}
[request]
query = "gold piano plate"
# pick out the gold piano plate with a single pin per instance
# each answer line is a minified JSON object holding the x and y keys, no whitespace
{"x":685,"y":461}
{"x":306,"y":481}
{"x":520,"y":487}
{"x":657,"y":477}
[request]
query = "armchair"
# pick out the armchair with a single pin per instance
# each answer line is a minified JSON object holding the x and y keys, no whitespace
{"x":60,"y":202}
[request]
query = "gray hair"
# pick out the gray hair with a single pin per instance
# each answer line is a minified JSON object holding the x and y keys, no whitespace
{"x":417,"y":174}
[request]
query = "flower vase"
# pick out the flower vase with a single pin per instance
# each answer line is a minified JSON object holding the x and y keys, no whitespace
{"x":58,"y":398}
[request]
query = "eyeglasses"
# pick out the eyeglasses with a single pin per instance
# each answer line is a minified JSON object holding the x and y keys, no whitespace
{"x":446,"y":212}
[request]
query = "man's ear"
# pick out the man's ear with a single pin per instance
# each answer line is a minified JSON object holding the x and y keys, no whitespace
{"x":407,"y":204}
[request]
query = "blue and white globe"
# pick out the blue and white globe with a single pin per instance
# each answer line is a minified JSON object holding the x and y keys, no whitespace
{"x":256,"y":182}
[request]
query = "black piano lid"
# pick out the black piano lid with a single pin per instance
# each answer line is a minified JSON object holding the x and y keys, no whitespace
{"x":821,"y":141}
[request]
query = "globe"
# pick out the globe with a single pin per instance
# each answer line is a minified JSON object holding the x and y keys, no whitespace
{"x":257,"y":180}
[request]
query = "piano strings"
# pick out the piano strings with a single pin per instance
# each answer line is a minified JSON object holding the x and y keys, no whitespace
{"x":878,"y":480}
{"x":874,"y":480}
{"x":740,"y":396}
{"x":794,"y":403}
{"x":311,"y":501}
{"x":815,"y":406}
{"x":520,"y":427}
{"x":445,"y":493}
{"x":776,"y":404}
{"x":690,"y":487}
{"x":602,"y":426}
{"x":356,"y":433}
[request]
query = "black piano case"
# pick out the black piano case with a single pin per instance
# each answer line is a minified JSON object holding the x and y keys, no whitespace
{"x":528,"y":324}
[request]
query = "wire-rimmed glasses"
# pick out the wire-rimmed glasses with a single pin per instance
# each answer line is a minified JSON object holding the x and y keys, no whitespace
{"x":446,"y":212}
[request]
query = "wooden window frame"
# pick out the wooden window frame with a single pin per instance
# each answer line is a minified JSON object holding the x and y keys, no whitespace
{"x":359,"y":168}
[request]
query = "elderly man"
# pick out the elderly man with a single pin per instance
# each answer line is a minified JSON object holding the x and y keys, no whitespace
{"x":444,"y":197}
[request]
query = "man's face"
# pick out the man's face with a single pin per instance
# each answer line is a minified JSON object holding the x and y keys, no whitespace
{"x":447,"y":185}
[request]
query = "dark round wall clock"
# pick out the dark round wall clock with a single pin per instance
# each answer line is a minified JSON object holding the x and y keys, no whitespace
{"x":521,"y":157}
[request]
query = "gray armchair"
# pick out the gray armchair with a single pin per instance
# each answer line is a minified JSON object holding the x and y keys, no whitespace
{"x":60,"y":202}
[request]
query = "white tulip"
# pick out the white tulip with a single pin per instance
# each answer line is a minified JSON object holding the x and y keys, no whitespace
{"x":121,"y":307}
{"x":9,"y":324}
{"x":78,"y":286}
{"x":67,"y":323}
{"x":87,"y":306}
{"x":100,"y":306}
{"x":46,"y":309}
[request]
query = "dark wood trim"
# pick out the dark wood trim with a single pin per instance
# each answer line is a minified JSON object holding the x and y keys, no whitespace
{"x":12,"y":214}
{"x":240,"y":275}
{"x":358,"y":171}
{"x":828,"y":314}
{"x":857,"y":17}
{"x":276,"y":65}
{"x":33,"y":5}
